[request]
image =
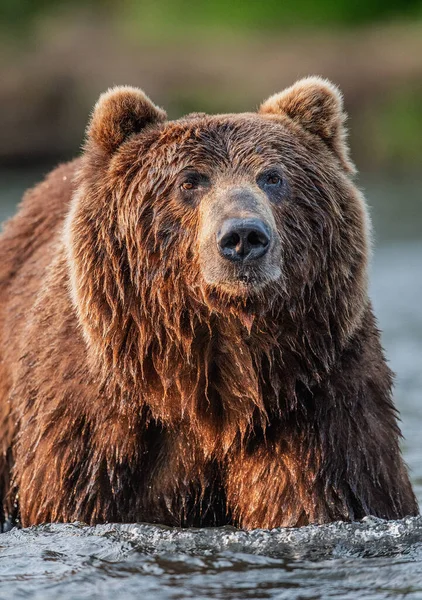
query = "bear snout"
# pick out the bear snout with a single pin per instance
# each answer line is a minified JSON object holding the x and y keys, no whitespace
{"x":242,"y":240}
{"x":239,"y":244}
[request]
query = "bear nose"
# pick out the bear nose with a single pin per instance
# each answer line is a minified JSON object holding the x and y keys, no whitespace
{"x":243,"y":239}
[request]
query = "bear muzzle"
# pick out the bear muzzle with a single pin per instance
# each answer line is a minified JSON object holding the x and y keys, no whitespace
{"x":239,"y":244}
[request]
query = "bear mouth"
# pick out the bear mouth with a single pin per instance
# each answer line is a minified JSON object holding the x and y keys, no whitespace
{"x":243,"y":288}
{"x":239,"y":285}
{"x":247,"y":280}
{"x":244,"y":284}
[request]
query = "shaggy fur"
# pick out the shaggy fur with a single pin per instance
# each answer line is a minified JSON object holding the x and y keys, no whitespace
{"x":142,"y":379}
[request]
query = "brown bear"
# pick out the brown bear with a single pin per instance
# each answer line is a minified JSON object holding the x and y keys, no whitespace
{"x":187,"y":337}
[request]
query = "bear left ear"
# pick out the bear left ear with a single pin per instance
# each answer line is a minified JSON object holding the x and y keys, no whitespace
{"x":316,"y":105}
{"x":119,"y":113}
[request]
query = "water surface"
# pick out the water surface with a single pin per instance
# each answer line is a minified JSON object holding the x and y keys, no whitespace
{"x":373,"y":559}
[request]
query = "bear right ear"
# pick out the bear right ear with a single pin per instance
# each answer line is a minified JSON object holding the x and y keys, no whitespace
{"x":119,"y":113}
{"x":317,"y":106}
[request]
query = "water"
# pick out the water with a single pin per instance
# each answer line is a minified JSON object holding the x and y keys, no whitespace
{"x":371,"y":560}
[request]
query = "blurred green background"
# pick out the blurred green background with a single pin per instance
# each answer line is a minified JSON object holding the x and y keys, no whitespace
{"x":57,"y":56}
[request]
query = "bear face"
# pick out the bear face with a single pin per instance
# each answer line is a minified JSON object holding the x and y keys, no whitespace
{"x":252,"y":211}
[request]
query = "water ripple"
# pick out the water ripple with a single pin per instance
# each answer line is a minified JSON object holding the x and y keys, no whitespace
{"x":371,"y":559}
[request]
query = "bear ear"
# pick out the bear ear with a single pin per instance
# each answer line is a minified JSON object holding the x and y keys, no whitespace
{"x":119,"y":113}
{"x":316,"y":105}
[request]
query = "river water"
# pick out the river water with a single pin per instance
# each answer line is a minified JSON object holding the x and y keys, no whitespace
{"x":371,"y":560}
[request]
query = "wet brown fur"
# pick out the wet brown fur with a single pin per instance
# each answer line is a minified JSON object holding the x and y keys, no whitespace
{"x":133,"y":390}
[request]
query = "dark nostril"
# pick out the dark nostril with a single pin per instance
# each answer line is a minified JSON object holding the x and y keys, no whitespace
{"x":231,"y":240}
{"x":257,"y":238}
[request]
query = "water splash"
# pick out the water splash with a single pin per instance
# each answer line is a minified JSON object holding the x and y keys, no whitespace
{"x":371,"y":559}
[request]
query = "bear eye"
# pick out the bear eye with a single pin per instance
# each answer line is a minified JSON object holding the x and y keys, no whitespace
{"x":273,"y":179}
{"x":193,"y":181}
{"x":272,"y":182}
{"x":187,"y":185}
